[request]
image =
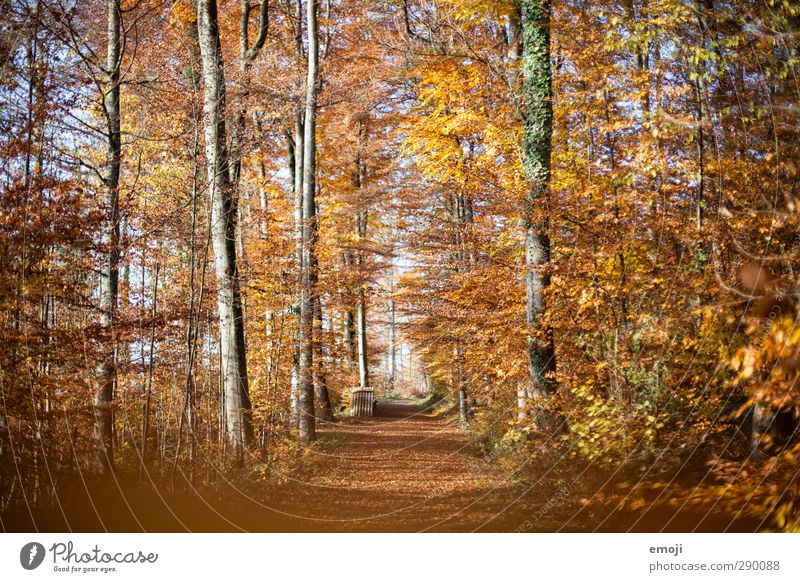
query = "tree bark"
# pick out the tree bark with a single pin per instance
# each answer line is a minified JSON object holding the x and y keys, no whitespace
{"x":109,"y":286}
{"x":150,"y":367}
{"x":321,"y":395}
{"x":307,"y":424}
{"x":514,"y":52}
{"x":537,"y":74}
{"x":299,"y":153}
{"x":463,"y":403}
{"x":361,"y":219}
{"x":348,"y":330}
{"x":238,"y":426}
{"x":298,"y":260}
{"x":461,"y":216}
{"x":392,"y":355}
{"x":361,"y":299}
{"x":363,"y":356}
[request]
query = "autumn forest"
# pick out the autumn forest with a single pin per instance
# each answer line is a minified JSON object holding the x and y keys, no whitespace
{"x":399,"y":265}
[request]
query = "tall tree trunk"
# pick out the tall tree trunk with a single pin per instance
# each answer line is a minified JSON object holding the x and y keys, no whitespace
{"x":193,"y":325}
{"x":461,"y":216}
{"x":391,"y":372}
{"x":361,"y":299}
{"x":307,"y":425}
{"x":514,"y":39}
{"x":463,"y":404}
{"x":363,"y":356}
{"x":361,"y":306}
{"x":321,"y":395}
{"x":297,"y":186}
{"x":299,"y":153}
{"x":324,"y":409}
{"x":150,"y":366}
{"x":349,"y":336}
{"x":247,"y":55}
{"x":361,"y":219}
{"x":106,"y":373}
{"x":537,"y":75}
{"x":263,"y":199}
{"x":233,"y":362}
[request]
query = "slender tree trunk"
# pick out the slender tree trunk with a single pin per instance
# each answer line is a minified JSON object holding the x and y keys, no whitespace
{"x":361,"y":300}
{"x":324,"y":410}
{"x":151,"y":365}
{"x":392,"y":355}
{"x":321,"y":395}
{"x":463,"y":407}
{"x":299,"y":153}
{"x":106,"y":373}
{"x":463,"y":404}
{"x":361,"y":221}
{"x":363,"y":356}
{"x":307,"y":425}
{"x":247,"y":55}
{"x":297,"y":184}
{"x":461,"y":216}
{"x":514,"y":39}
{"x":233,"y":362}
{"x":193,"y":325}
{"x":263,"y":199}
{"x":349,"y":336}
{"x":294,"y":388}
{"x":537,"y":75}
{"x":298,"y":261}
{"x":522,"y":401}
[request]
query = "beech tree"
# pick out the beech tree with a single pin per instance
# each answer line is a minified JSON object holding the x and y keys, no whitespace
{"x":233,"y":358}
{"x":109,"y":286}
{"x":306,"y":412}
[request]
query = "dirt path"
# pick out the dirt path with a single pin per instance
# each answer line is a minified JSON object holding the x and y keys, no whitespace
{"x":403,"y":470}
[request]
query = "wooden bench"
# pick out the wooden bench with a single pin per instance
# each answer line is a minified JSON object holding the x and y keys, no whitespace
{"x":362,"y":401}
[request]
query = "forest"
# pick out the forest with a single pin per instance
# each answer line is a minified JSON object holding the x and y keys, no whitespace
{"x":555,"y":242}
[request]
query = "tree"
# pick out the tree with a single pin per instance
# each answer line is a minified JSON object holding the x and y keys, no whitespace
{"x":361,"y":220}
{"x":109,"y":285}
{"x":233,"y":359}
{"x":306,"y":412}
{"x":537,"y":74}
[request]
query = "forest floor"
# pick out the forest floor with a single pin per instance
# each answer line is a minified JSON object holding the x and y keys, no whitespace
{"x":407,"y":469}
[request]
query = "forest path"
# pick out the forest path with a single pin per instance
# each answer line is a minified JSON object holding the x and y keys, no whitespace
{"x":405,"y":469}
